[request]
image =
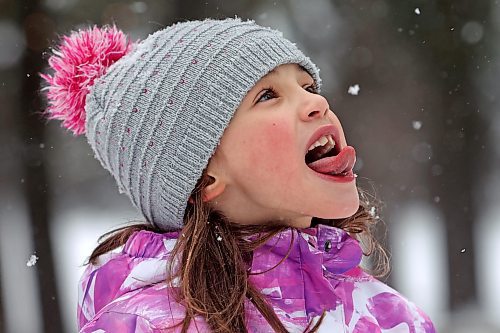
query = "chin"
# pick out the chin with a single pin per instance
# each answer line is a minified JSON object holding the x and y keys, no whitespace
{"x":342,"y":210}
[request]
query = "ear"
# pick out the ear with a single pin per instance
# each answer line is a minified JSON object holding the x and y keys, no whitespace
{"x":213,"y":190}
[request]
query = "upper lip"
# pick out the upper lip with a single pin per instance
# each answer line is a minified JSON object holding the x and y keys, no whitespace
{"x":325,"y":130}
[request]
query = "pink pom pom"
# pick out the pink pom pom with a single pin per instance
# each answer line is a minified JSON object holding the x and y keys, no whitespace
{"x":82,"y":57}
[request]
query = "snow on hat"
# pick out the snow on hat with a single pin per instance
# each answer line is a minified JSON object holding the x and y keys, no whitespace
{"x":154,"y":111}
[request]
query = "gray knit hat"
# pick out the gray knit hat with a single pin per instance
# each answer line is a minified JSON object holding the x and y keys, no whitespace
{"x":158,"y":113}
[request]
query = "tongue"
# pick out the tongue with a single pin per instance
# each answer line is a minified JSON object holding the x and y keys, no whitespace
{"x":334,"y":165}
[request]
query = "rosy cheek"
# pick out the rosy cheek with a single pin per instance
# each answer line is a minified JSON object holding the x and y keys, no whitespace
{"x":273,"y":147}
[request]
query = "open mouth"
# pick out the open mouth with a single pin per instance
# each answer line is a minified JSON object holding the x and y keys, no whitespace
{"x":329,"y":159}
{"x":321,"y":152}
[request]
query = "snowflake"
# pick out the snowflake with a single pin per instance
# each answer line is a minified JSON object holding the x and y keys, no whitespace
{"x":373,"y":211}
{"x":353,"y":90}
{"x":32,"y":260}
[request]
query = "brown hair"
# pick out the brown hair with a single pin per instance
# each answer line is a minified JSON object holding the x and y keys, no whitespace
{"x":207,"y":272}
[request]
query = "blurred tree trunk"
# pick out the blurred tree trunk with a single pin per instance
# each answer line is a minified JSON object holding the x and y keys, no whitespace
{"x":36,"y":187}
{"x":457,"y":146}
{"x":458,"y":142}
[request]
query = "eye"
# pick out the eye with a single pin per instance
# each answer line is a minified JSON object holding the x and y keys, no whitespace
{"x":268,"y":94}
{"x":312,"y":89}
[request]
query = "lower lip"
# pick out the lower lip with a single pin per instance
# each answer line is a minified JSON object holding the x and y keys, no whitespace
{"x":344,"y":178}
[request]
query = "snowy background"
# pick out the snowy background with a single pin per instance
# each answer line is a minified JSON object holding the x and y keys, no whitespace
{"x":415,"y":84}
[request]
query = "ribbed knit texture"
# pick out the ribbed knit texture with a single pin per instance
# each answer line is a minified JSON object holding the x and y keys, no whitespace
{"x":157,"y":115}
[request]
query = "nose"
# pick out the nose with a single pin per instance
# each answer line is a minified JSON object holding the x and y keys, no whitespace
{"x":313,"y":106}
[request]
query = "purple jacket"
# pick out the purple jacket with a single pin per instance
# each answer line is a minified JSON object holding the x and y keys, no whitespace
{"x":126,"y":291}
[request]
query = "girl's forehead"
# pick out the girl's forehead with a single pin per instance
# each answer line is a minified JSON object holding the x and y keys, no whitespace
{"x":283,"y":72}
{"x":285,"y":69}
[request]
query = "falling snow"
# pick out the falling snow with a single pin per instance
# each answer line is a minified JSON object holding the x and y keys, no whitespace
{"x":353,"y":90}
{"x":410,"y":157}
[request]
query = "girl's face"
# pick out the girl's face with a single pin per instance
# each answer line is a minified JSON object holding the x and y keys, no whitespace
{"x":259,"y":167}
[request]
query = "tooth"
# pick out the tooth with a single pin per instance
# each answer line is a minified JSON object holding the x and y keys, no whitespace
{"x":314,"y":145}
{"x":320,"y":142}
{"x":323,"y":140}
{"x":332,"y":142}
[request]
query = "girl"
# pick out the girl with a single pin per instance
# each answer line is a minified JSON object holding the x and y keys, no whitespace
{"x":217,"y":132}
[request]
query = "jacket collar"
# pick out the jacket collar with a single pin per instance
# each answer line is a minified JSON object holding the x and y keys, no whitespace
{"x":314,"y":255}
{"x":317,"y":250}
{"x":328,"y":248}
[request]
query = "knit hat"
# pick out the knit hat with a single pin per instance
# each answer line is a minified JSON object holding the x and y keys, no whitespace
{"x":154,"y":111}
